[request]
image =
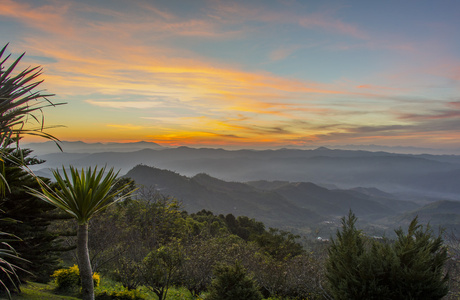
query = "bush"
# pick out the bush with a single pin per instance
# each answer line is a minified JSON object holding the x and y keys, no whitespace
{"x":70,"y":278}
{"x":231,"y":283}
{"x":120,"y":295}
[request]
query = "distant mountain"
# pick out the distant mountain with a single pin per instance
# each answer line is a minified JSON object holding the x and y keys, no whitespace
{"x":398,"y":149}
{"x":420,"y":175}
{"x":81,"y":147}
{"x":442,"y":213}
{"x":369,"y":204}
{"x":205,"y":192}
{"x":277,"y":204}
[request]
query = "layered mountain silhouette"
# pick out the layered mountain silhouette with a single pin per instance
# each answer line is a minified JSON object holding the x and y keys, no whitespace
{"x":443,"y":213}
{"x":281,"y":204}
{"x":432,"y":176}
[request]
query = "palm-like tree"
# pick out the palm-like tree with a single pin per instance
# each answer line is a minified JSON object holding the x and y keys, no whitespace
{"x":20,"y":105}
{"x":20,"y":101}
{"x":82,"y":195}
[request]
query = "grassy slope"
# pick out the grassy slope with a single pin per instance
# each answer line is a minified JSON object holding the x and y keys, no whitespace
{"x":38,"y":291}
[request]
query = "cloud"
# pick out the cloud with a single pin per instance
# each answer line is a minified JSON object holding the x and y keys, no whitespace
{"x":136,"y":61}
{"x":48,"y":18}
{"x":127,"y":126}
{"x":329,"y":23}
{"x":453,"y":112}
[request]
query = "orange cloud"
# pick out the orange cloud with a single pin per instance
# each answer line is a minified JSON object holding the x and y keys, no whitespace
{"x":48,"y":18}
{"x":128,"y":66}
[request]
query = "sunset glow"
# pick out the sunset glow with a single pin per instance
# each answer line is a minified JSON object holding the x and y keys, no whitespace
{"x":245,"y":74}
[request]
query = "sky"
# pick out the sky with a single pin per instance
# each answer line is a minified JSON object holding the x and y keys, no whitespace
{"x":244,"y":74}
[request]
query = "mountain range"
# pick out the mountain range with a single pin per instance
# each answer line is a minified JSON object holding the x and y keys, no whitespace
{"x":412,"y":176}
{"x":287,"y":204}
{"x":294,"y":189}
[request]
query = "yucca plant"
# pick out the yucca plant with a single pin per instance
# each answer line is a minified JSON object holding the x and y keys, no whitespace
{"x":19,"y":101}
{"x":20,"y":105}
{"x":82,"y":195}
{"x":7,"y":268}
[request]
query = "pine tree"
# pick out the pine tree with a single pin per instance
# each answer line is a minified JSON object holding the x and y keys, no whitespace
{"x":410,"y":268}
{"x":421,"y":258}
{"x":37,"y":245}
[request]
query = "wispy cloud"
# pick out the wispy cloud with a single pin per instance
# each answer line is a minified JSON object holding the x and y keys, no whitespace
{"x":136,"y":61}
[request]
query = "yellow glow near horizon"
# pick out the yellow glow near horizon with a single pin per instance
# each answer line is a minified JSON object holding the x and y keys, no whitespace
{"x":213,"y":75}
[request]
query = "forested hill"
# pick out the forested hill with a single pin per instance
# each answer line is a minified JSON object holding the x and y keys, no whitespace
{"x":281,"y":204}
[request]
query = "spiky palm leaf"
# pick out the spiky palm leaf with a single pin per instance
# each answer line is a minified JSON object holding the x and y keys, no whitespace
{"x":19,"y":103}
{"x":7,"y":255}
{"x":19,"y":100}
{"x":82,"y":194}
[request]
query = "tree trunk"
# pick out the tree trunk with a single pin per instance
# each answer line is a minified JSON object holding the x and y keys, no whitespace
{"x":84,"y":264}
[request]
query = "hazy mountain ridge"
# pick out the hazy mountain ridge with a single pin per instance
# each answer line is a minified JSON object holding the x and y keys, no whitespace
{"x":82,"y":147}
{"x":287,"y":185}
{"x":289,"y":204}
{"x":204,"y":192}
{"x":443,"y":213}
{"x":427,"y":175}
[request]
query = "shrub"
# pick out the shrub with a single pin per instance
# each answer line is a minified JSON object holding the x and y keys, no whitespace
{"x":120,"y":295}
{"x":70,"y":278}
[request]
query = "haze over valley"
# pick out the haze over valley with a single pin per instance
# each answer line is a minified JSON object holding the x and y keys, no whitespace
{"x":293,"y":189}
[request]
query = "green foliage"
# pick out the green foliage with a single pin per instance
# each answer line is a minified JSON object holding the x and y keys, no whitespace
{"x":279,"y":244}
{"x":160,"y":267}
{"x":127,"y":272}
{"x":40,"y":291}
{"x":69,"y":278}
{"x":201,"y":254}
{"x":9,"y":280}
{"x":120,"y":295}
{"x":293,"y":278}
{"x":244,"y":227}
{"x":19,"y":104}
{"x":232,"y":282}
{"x":421,"y":259}
{"x":82,"y":194}
{"x":409,"y":268}
{"x":39,"y":246}
{"x":126,"y":233}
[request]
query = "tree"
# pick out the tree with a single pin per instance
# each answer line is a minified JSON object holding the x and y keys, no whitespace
{"x":365,"y":268}
{"x":232,"y":282}
{"x":291,"y":278}
{"x":39,"y":246}
{"x":161,"y":266}
{"x":20,"y":104}
{"x":82,"y":195}
{"x":421,"y":257}
{"x":280,"y":244}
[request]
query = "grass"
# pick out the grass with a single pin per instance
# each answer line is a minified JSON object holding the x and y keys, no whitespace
{"x":39,"y":291}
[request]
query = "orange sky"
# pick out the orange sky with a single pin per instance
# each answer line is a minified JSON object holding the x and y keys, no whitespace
{"x":237,"y":74}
